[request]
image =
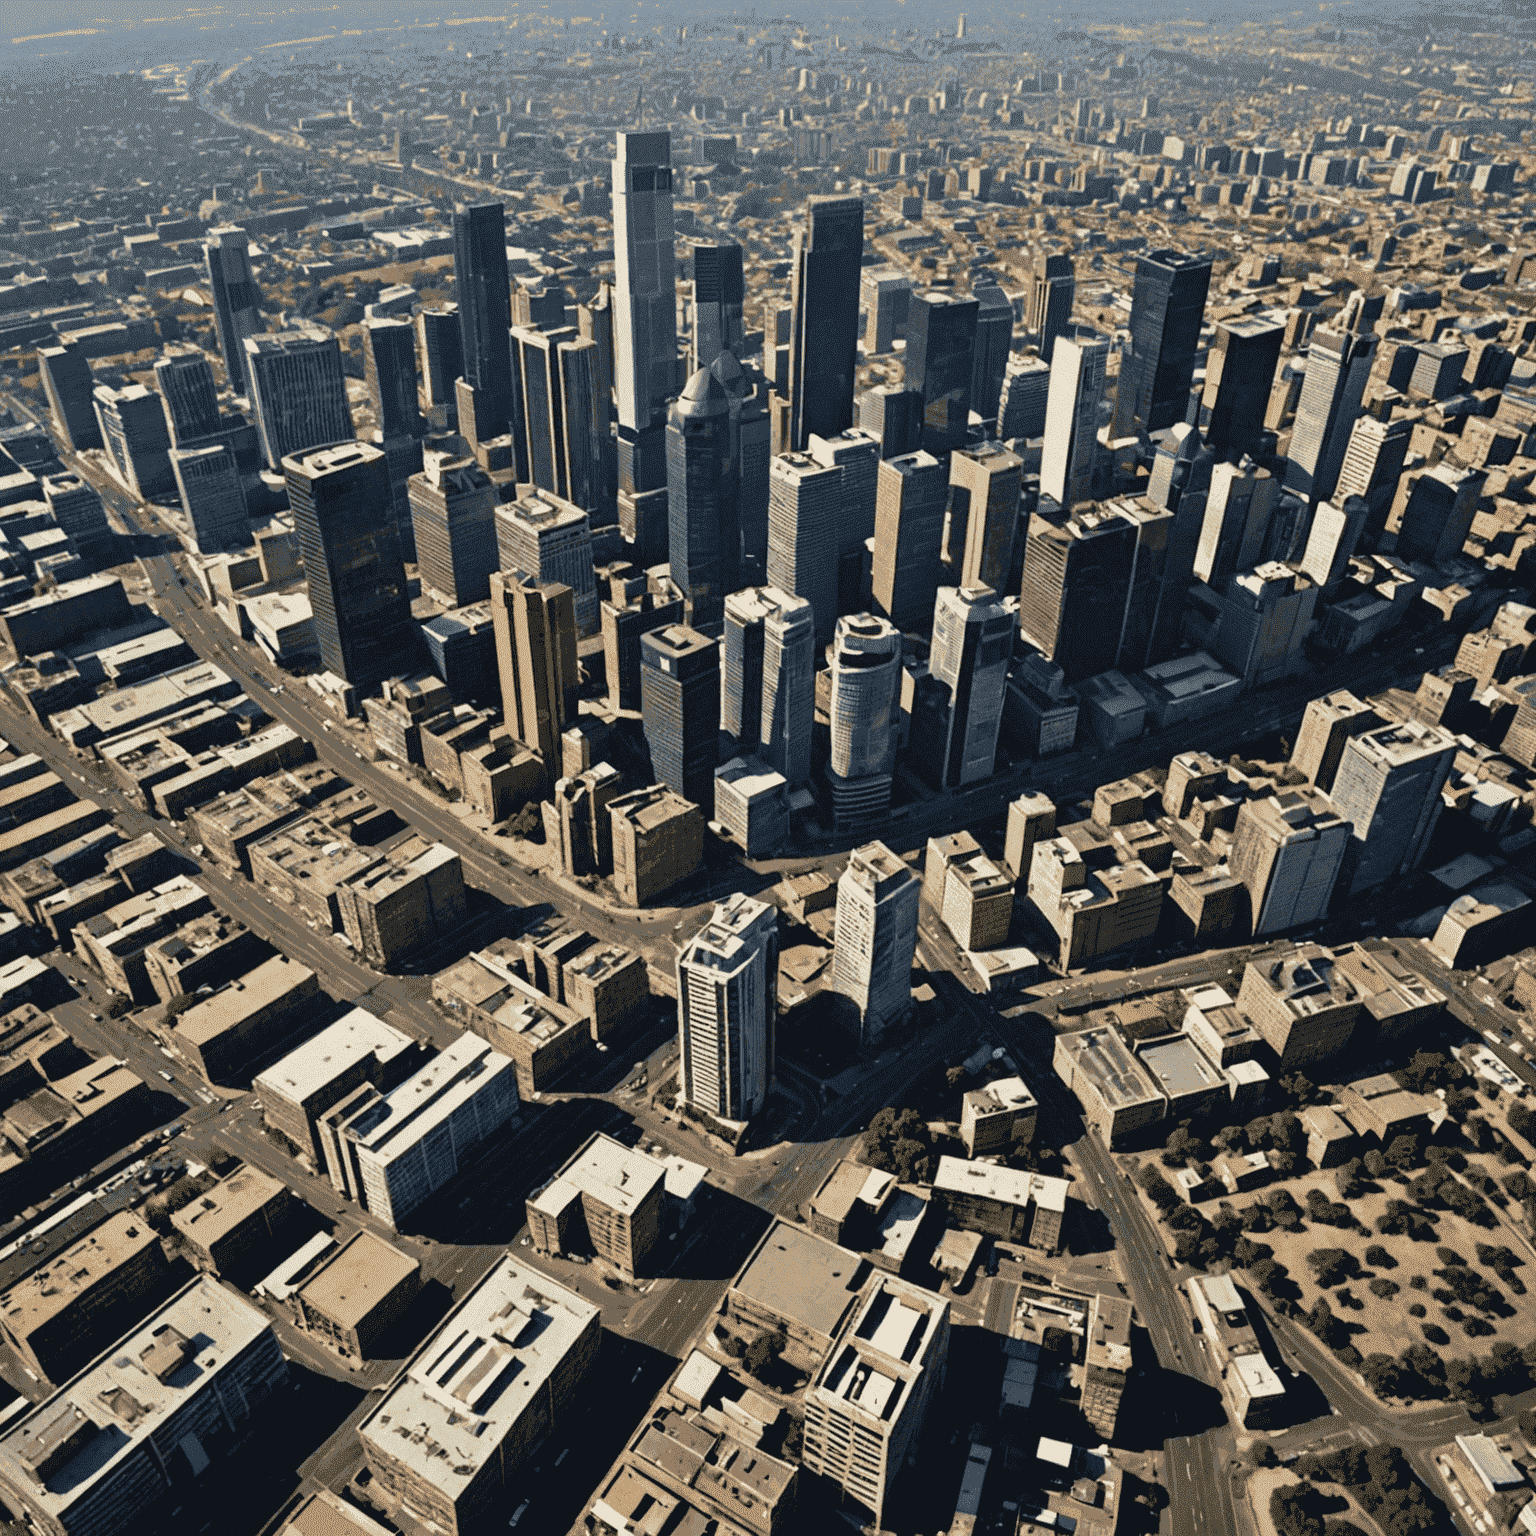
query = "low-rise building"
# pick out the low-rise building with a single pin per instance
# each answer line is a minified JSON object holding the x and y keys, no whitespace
{"x":999,"y":1118}
{"x":1305,"y":1007}
{"x":1192,"y":1087}
{"x":1382,"y":1108}
{"x":356,"y":1294}
{"x":209,"y":951}
{"x":1118,"y":1099}
{"x":114,"y":941}
{"x":1019,"y":1207}
{"x":848,"y":1207}
{"x":972,"y":895}
{"x":1106,"y":1361}
{"x":1331,"y":1139}
{"x":1398,"y":1006}
{"x":1218,"y":1026}
{"x":607,"y":1198}
{"x":413,"y":899}
{"x":244,"y":1024}
{"x":658,"y":841}
{"x":237,"y":1228}
{"x":1252,"y":1384}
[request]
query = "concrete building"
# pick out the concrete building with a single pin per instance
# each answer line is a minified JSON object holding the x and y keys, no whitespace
{"x":768,"y":678}
{"x":865,"y":1408}
{"x":240,"y":1227}
{"x":864,"y":716}
{"x":848,"y":1207}
{"x":356,"y":1295}
{"x":971,"y":647}
{"x":1252,"y":1384}
{"x":91,"y":1459}
{"x":1388,"y":788}
{"x":1380,"y":1107}
{"x":1327,"y":724}
{"x":680,"y":708}
{"x":608,"y":1200}
{"x":1303,"y":1005}
{"x":1191,"y":1086}
{"x":1017,"y":1207}
{"x":1218,"y":1027}
{"x":972,"y":896}
{"x":414,"y":899}
{"x":1106,"y":1361}
{"x":876,"y":937}
{"x":1093,"y":910}
{"x":535,"y":631}
{"x":998,"y":1118}
{"x":549,"y":539}
{"x":1031,"y":819}
{"x":449,"y":1443}
{"x":1118,"y":1098}
{"x":453,"y":510}
{"x":752,"y":806}
{"x":658,"y":841}
{"x":245,"y":1024}
{"x":1287,"y":850}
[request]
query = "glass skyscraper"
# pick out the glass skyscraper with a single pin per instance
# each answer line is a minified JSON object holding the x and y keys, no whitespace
{"x":824,"y":323}
{"x":484,"y":293}
{"x":1167,"y":308}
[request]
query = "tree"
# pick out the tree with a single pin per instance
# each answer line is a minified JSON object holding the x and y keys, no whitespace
{"x":1383,"y":1375}
{"x":1378,"y":1257}
{"x":1375,"y":1164}
{"x":1293,"y":1510}
{"x":1403,"y":1152}
{"x":1333,"y":1266}
{"x":1348,"y":1179}
{"x":763,"y":1352}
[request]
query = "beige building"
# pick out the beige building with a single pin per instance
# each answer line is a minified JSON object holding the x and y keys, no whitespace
{"x":238,"y":1228}
{"x":1252,"y":1384}
{"x":1018,"y":1207}
{"x":413,"y":899}
{"x":356,"y":1294}
{"x":247,"y":1022}
{"x":658,"y":841}
{"x":998,"y":1118}
{"x":1106,"y":1361}
{"x":606,"y":1199}
{"x":1218,"y":1026}
{"x":1303,"y":1005}
{"x":1092,"y":911}
{"x":1118,"y":1099}
{"x":972,"y":895}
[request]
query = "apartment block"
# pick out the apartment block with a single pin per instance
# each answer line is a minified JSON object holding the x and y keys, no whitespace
{"x":1017,"y":1207}
{"x":607,"y":1200}
{"x":998,"y":1118}
{"x":1303,"y":1005}
{"x":413,"y":899}
{"x":356,"y":1294}
{"x":241,"y":1226}
{"x":1118,"y":1098}
{"x":972,"y":895}
{"x":238,"y":1028}
{"x":658,"y":841}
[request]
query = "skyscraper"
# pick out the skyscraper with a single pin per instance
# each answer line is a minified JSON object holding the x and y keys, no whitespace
{"x":1338,"y":365}
{"x":680,"y":710}
{"x":972,"y":646}
{"x":1327,"y":724}
{"x":352,"y":561}
{"x":1288,"y":850}
{"x":185,"y":381}
{"x":719,"y":297}
{"x":990,"y":354}
{"x":985,"y":483}
{"x":876,"y":937}
{"x":1078,"y":371}
{"x":299,"y":393}
{"x":857,"y":453}
{"x":551,"y":539}
{"x":803,"y":498}
{"x":1373,"y":464}
{"x":534,"y":623}
{"x":864,"y":715}
{"x":1335,"y":531}
{"x":1239,"y":371}
{"x":1388,"y":787}
{"x":132,"y":423}
{"x":1238,"y":507}
{"x":893,"y":415}
{"x":644,"y":305}
{"x":941,"y":345}
{"x":442,"y":352}
{"x":562,"y":420}
{"x":389,"y":367}
{"x":824,"y":326}
{"x":212,"y":498}
{"x":703,"y":505}
{"x":1433,"y":511}
{"x":68,"y":383}
{"x":77,"y":509}
{"x":727,"y":1005}
{"x":1077,"y":581}
{"x":910,"y":499}
{"x":483,"y":290}
{"x":1167,"y":308}
{"x":1052,"y":293}
{"x":580,"y":448}
{"x":1026,"y":389}
{"x":884,"y":296}
{"x":768,"y":691}
{"x":453,"y":507}
{"x":236,"y":300}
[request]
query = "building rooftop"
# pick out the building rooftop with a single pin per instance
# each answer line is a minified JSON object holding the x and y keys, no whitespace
{"x":221,"y":1210}
{"x":226,"y":1008}
{"x":352,"y":1281}
{"x":1007,"y":1093}
{"x":605,"y":1170}
{"x":878,"y":1356}
{"x":797,"y":1275}
{"x":336,"y":1049}
{"x":991,"y":1181}
{"x":1178,"y":1068}
{"x":1102,"y":1057}
{"x":60,"y":1282}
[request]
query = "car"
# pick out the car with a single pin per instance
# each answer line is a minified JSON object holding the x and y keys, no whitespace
{"x":517,"y":1514}
{"x":636,"y":1377}
{"x":167,"y":1076}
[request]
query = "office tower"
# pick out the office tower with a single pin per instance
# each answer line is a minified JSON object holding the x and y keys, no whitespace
{"x":453,"y":508}
{"x":212,"y":498}
{"x":875,"y":937}
{"x":884,"y":297}
{"x":389,"y":367}
{"x":1078,"y":371}
{"x":645,"y":305}
{"x":893,"y":415}
{"x":719,"y":296}
{"x":990,"y":352}
{"x":185,"y":381}
{"x":941,"y":344}
{"x":1239,"y":371}
{"x":1373,"y":464}
{"x":864,"y":715}
{"x":1338,"y":366}
{"x":1237,"y":512}
{"x":536,"y":387}
{"x":236,"y":300}
{"x":535,"y":628}
{"x":727,"y":1010}
{"x":594,"y":322}
{"x":1261,"y":618}
{"x":649,"y":601}
{"x":550,"y":539}
{"x":857,"y":453}
{"x":68,"y":383}
{"x":77,"y":509}
{"x":132,"y":424}
{"x":824,"y":324}
{"x":985,"y":483}
{"x":1388,"y":787}
{"x":776,"y":328}
{"x":1326,"y":726}
{"x":741,"y":674}
{"x":746,"y":394}
{"x":352,"y":561}
{"x":680,"y":709}
{"x":483,"y":290}
{"x":769,"y":679}
{"x":299,"y":394}
{"x":1077,"y":581}
{"x":1287,"y":851}
{"x":972,"y":646}
{"x":703,"y":503}
{"x":910,"y":500}
{"x":1432,"y":512}
{"x":442,"y":352}
{"x":563,"y":420}
{"x":1026,"y":389}
{"x":1154,"y":606}
{"x":1052,"y":292}
{"x":1167,"y":307}
{"x":1181,"y":471}
{"x":803,"y":498}
{"x":580,"y":449}
{"x":538,"y":309}
{"x":1332,"y":539}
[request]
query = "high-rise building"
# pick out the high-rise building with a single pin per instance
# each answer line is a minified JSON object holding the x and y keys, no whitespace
{"x":719,"y":299}
{"x":644,"y":304}
{"x":768,"y":684}
{"x":212,"y":498}
{"x":352,"y":562}
{"x":1287,"y":851}
{"x":132,"y":423}
{"x":1433,"y":511}
{"x":884,"y":296}
{"x":680,"y":709}
{"x":941,"y":345}
{"x":991,"y":351}
{"x":483,"y":290}
{"x":1052,"y":293}
{"x":857,"y":453}
{"x":535,"y":629}
{"x":972,"y":646}
{"x":1239,"y":371}
{"x":442,"y":352}
{"x":1160,"y":576}
{"x":1388,"y":787}
{"x":727,"y":1005}
{"x":1078,"y":371}
{"x":595,"y":323}
{"x":453,"y":507}
{"x":1077,"y":581}
{"x":68,"y":383}
{"x":803,"y":512}
{"x":1331,"y":541}
{"x":985,"y":483}
{"x":1238,"y":507}
{"x":1167,"y":308}
{"x":184,"y":378}
{"x":236,"y":300}
{"x":1026,"y":391}
{"x":550,"y":539}
{"x":824,"y":326}
{"x":864,"y":714}
{"x":875,"y":937}
{"x":751,"y":449}
{"x":389,"y":367}
{"x":298,"y":392}
{"x":77,"y":509}
{"x":1373,"y":464}
{"x":1338,"y":366}
{"x":893,"y":415}
{"x":703,"y":497}
{"x":1327,"y":724}
{"x":649,"y":601}
{"x":911,"y":496}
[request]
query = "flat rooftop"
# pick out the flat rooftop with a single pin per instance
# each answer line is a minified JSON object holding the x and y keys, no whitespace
{"x":1179,"y":1068}
{"x":990,"y":1181}
{"x":335,"y":1050}
{"x":802,"y":1277}
{"x":220,"y":1210}
{"x":619,"y":1177}
{"x":60,"y":1282}
{"x":1105,"y":1060}
{"x":349,"y":1284}
{"x":271,"y":981}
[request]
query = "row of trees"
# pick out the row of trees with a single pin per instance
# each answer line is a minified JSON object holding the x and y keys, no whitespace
{"x":1381,"y":1480}
{"x":898,"y":1141}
